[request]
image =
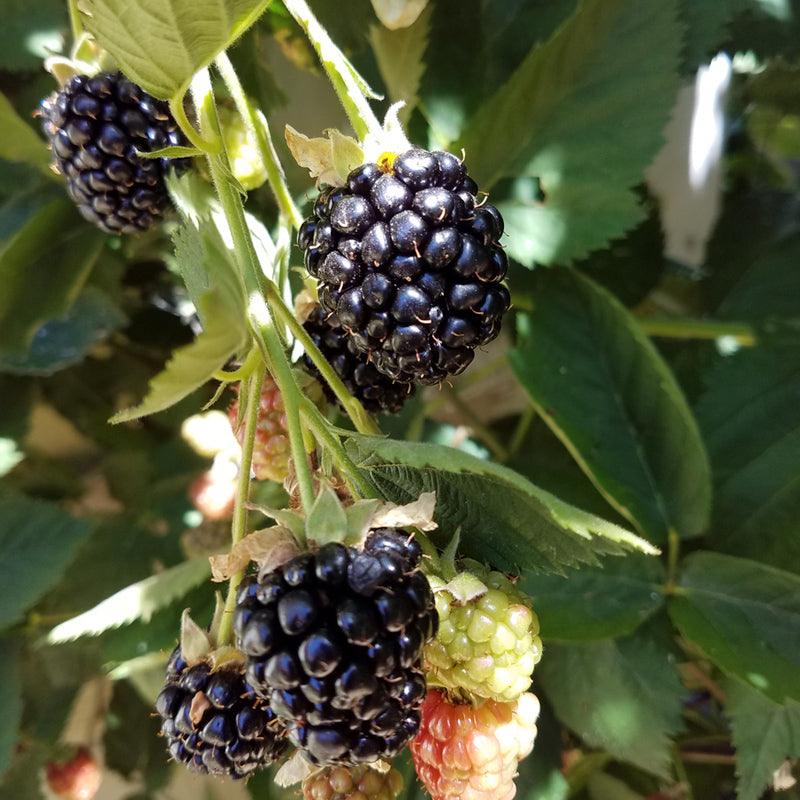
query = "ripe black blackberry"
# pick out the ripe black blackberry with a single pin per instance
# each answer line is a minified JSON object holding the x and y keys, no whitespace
{"x":334,"y":642}
{"x":408,"y":257}
{"x":214,"y":723}
{"x":95,"y":125}
{"x":376,"y":391}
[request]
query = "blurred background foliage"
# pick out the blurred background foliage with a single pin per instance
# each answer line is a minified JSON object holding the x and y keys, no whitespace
{"x":672,"y":343}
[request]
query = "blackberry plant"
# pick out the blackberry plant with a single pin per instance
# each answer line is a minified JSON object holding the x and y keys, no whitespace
{"x":598,"y":513}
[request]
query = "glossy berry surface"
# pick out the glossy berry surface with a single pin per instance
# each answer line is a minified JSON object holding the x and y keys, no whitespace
{"x":410,"y":266}
{"x":353,"y":783}
{"x":376,"y":391}
{"x":486,"y":647}
{"x":213,"y":722}
{"x":271,"y":445}
{"x":334,"y":642}
{"x":466,"y":752}
{"x":95,"y":125}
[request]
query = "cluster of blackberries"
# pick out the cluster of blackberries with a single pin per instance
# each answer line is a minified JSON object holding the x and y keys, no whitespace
{"x":334,"y":642}
{"x":376,"y":391}
{"x":95,"y":126}
{"x":214,"y":723}
{"x":409,"y":265}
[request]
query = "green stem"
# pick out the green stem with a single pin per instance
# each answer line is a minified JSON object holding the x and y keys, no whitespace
{"x":259,"y":316}
{"x":75,"y":20}
{"x":361,"y":420}
{"x":673,"y":555}
{"x":239,"y":522}
{"x":341,"y":74}
{"x":687,"y":328}
{"x":521,"y":431}
{"x":358,"y":483}
{"x":245,"y":371}
{"x":258,"y":128}
{"x":209,"y":146}
{"x":481,"y":431}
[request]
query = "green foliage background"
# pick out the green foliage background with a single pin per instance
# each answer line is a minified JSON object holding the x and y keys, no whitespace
{"x":638,"y":394}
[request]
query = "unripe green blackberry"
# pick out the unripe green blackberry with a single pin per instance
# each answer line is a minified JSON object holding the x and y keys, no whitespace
{"x":487,"y":646}
{"x":353,"y":783}
{"x":95,"y":126}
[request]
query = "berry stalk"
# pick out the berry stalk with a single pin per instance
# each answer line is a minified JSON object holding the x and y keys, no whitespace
{"x":259,"y":129}
{"x":259,"y":316}
{"x":239,"y":523}
{"x":341,"y":75}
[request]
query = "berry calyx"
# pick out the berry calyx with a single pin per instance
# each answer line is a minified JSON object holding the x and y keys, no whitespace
{"x":95,"y":126}
{"x":213,"y":722}
{"x":472,"y":753}
{"x":408,"y":260}
{"x":376,"y":392}
{"x":353,"y":783}
{"x":334,"y":642}
{"x":77,"y":778}
{"x":486,"y":646}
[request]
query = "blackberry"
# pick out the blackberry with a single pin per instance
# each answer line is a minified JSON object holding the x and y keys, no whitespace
{"x":375,"y":391}
{"x":334,"y":643}
{"x":409,"y":262}
{"x":94,"y":126}
{"x":214,"y":723}
{"x":353,"y":783}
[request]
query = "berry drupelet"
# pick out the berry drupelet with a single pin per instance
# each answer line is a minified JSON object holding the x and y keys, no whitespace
{"x":334,"y":642}
{"x":353,"y":783}
{"x":94,"y":126}
{"x":409,"y":261}
{"x":214,"y":723}
{"x":376,"y":392}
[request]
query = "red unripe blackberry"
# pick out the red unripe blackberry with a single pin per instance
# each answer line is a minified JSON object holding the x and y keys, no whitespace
{"x":334,"y":642}
{"x":213,"y":722}
{"x":466,"y":752}
{"x":271,"y":446}
{"x":77,"y":778}
{"x":376,"y":392}
{"x":409,"y":262}
{"x":94,"y":126}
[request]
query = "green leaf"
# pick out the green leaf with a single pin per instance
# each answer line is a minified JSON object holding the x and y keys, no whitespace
{"x":401,"y":59}
{"x":745,"y":617}
{"x":37,"y":542}
{"x":473,"y":48}
{"x":751,"y":421}
{"x":606,"y":787}
{"x":327,"y":520}
{"x":604,"y":390}
{"x":623,"y":696}
{"x":10,"y":700}
{"x":161,"y":45}
{"x":139,"y":601}
{"x":63,"y":342}
{"x":42,"y":270}
{"x":597,"y":602}
{"x":18,"y":140}
{"x":194,"y":364}
{"x":558,"y":118}
{"x":764,"y":734}
{"x":504,"y":519}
